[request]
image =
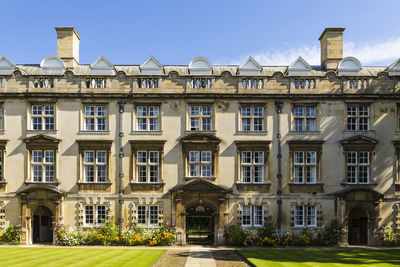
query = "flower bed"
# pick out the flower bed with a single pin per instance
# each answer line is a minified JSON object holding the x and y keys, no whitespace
{"x":269,"y":236}
{"x":109,"y":235}
{"x":11,"y":235}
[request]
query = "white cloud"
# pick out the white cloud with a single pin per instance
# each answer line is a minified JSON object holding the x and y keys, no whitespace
{"x":377,"y":53}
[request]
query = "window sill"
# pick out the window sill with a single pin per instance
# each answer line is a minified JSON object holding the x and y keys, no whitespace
{"x":41,"y":131}
{"x":251,"y":133}
{"x":197,"y":131}
{"x":359,"y":185}
{"x":93,"y":186}
{"x":94,"y":132}
{"x":306,"y":188}
{"x":211,"y":178}
{"x":51,"y":183}
{"x":305,"y":133}
{"x":370,"y":132}
{"x":146,"y":132}
{"x":145,"y":187}
{"x":253,"y":187}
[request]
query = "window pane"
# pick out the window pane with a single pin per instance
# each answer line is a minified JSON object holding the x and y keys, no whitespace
{"x":101,"y":173}
{"x":259,"y":157}
{"x":298,"y":174}
{"x":153,"y":173}
{"x":101,"y":214}
{"x":258,"y":215}
{"x":141,"y":157}
{"x":311,"y":157}
{"x":194,"y":111}
{"x":89,"y":110}
{"x":310,"y":125}
{"x":37,"y":173}
{"x":37,"y":123}
{"x":49,"y":173}
{"x":311,"y":174}
{"x":49,"y":123}
{"x":142,"y":124}
{"x":351,"y":158}
{"x":89,"y":157}
{"x":206,"y":124}
{"x":206,"y":170}
{"x":206,"y":156}
{"x":194,"y":170}
{"x":142,"y":174}
{"x":246,"y":157}
{"x":101,"y":111}
{"x":311,"y":216}
{"x":36,"y":110}
{"x":246,"y":215}
{"x":89,"y":124}
{"x":206,"y":111}
{"x":258,"y":174}
{"x":101,"y":157}
{"x":49,"y":156}
{"x":141,"y":214}
{"x":101,"y":124}
{"x":153,"y":216}
{"x":153,"y":124}
{"x":246,"y":111}
{"x":364,"y":157}
{"x":298,"y":125}
{"x":298,"y":157}
{"x":48,"y":110}
{"x":246,"y":124}
{"x":153,"y":111}
{"x":194,"y":124}
{"x":298,"y":216}
{"x":37,"y":156}
{"x":258,"y":111}
{"x":298,"y":111}
{"x":194,"y":156}
{"x":141,"y":111}
{"x":153,"y":157}
{"x":351,"y":174}
{"x":352,"y":111}
{"x":89,"y":216}
{"x":258,"y":124}
{"x":246,"y":174}
{"x":89,"y":173}
{"x":310,"y":111}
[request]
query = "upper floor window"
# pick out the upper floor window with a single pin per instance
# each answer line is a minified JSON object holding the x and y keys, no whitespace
{"x":358,"y":118}
{"x":148,"y":83}
{"x":305,"y":216}
{"x":42,"y":117}
{"x":252,"y":215}
{"x":95,"y":166}
{"x":252,"y":83}
{"x":96,"y":83}
{"x":252,"y":118}
{"x":1,"y":118}
{"x":43,"y":165}
{"x":305,"y":166}
{"x":147,"y":215}
{"x":148,"y":118}
{"x":148,"y":166}
{"x":43,"y":83}
{"x":200,"y":83}
{"x":252,"y":166}
{"x":304,"y":84}
{"x":200,"y":118}
{"x":304,"y":118}
{"x":358,"y":167}
{"x":200,"y":164}
{"x":95,"y":118}
{"x":95,"y":214}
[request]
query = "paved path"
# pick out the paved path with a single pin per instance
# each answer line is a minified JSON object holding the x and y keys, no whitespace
{"x":200,"y":257}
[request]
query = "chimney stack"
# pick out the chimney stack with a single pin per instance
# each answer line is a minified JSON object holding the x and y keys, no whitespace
{"x":331,"y":47}
{"x":68,"y":46}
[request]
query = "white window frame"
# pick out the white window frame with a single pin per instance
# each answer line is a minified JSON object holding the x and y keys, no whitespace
{"x":43,"y":116}
{"x":96,"y":163}
{"x":304,"y":117}
{"x":252,"y":165}
{"x":95,"y":116}
{"x":358,"y":165}
{"x":148,"y":215}
{"x":201,"y":116}
{"x":204,"y":158}
{"x":96,"y":82}
{"x":252,"y":118}
{"x":148,"y":117}
{"x":148,"y":83}
{"x":304,"y":165}
{"x":250,"y":212}
{"x":305,"y":216}
{"x":95,"y":215}
{"x":42,"y":165}
{"x":148,"y":164}
{"x":355,"y":117}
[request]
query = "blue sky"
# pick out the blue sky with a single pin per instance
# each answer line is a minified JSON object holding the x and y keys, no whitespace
{"x":226,"y":32}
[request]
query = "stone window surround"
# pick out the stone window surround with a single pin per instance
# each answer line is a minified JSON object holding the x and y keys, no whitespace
{"x":146,"y":145}
{"x":306,"y":145}
{"x":142,"y":201}
{"x":94,"y":145}
{"x":82,"y":117}
{"x":369,"y":104}
{"x":33,"y":143}
{"x":306,"y":202}
{"x":3,"y":145}
{"x":201,"y":104}
{"x":305,"y":104}
{"x":41,"y":102}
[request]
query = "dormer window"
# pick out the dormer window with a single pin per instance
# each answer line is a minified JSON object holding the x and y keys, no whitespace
{"x":148,"y":83}
{"x":200,"y":83}
{"x":43,"y":83}
{"x":303,"y":84}
{"x":354,"y":84}
{"x":96,"y":83}
{"x":252,"y":84}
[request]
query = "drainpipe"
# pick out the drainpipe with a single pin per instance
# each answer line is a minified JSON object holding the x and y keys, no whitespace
{"x":279,"y":105}
{"x":121,"y":104}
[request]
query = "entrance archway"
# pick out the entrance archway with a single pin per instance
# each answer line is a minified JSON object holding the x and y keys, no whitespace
{"x":42,"y":225}
{"x":358,"y":227}
{"x":200,"y":224}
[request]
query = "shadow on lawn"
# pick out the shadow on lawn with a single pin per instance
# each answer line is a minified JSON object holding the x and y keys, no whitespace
{"x":348,"y":256}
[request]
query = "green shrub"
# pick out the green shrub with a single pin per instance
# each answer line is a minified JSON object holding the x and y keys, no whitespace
{"x":268,"y":228}
{"x":236,"y":236}
{"x":391,"y":237}
{"x":12,"y":235}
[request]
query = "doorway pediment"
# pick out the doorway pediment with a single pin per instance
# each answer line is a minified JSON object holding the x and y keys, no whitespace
{"x":200,"y":185}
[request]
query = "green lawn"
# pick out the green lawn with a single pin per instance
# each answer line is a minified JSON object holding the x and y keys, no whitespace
{"x":25,"y":256}
{"x":323,"y":258}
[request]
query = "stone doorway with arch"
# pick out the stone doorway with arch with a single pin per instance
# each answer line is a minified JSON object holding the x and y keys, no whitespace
{"x":42,"y":225}
{"x":358,"y":227}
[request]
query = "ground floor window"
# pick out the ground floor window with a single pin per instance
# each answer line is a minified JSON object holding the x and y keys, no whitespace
{"x":95,"y":214}
{"x":147,"y":215}
{"x":252,"y":215}
{"x":305,"y":216}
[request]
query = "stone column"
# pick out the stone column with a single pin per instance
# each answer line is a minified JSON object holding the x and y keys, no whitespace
{"x":180,"y":224}
{"x":221,"y":223}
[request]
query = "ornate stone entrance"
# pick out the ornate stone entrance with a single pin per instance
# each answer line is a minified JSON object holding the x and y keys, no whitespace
{"x":205,"y":200}
{"x":359,"y":210}
{"x":40,"y":210}
{"x":200,"y":224}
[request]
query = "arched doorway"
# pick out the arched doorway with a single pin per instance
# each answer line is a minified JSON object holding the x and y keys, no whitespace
{"x":200,"y":224}
{"x":358,"y":227}
{"x":42,"y":225}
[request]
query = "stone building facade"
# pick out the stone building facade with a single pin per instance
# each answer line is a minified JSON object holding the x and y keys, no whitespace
{"x":199,"y":146}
